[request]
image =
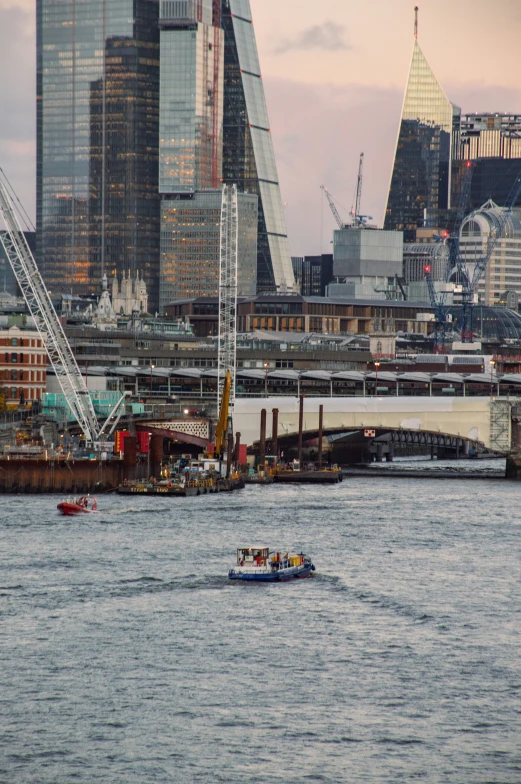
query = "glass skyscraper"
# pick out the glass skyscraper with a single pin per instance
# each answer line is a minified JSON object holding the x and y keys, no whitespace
{"x":118,"y":134}
{"x":97,"y":142}
{"x":191,"y":97}
{"x":493,"y":142}
{"x":419,"y":193}
{"x":248,"y":157}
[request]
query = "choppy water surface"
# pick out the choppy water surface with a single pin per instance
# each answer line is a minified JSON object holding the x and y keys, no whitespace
{"x":127,"y":657}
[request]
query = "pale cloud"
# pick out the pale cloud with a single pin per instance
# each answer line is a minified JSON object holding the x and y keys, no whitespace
{"x":329,"y":37}
{"x":323,"y":110}
{"x":22,"y":5}
{"x":18,"y":101}
{"x":318,"y":134}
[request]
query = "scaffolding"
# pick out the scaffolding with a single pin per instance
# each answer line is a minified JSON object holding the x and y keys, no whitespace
{"x":227,"y":351}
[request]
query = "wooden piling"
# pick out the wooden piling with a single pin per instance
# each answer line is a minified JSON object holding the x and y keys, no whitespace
{"x":262,"y":444}
{"x":300,"y":428}
{"x":320,"y":436}
{"x":274,"y":431}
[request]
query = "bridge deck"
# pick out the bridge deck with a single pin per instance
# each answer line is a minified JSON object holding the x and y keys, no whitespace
{"x":486,"y":420}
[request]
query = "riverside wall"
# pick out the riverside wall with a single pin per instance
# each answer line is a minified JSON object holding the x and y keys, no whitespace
{"x":74,"y":477}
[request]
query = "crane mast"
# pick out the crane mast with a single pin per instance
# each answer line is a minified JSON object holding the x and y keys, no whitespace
{"x":47,"y":323}
{"x":227,"y":340}
{"x":358,"y":197}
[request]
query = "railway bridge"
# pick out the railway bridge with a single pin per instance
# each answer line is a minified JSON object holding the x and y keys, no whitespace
{"x":490,"y":422}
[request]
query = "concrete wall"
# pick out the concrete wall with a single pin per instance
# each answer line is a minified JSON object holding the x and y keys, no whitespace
{"x":358,"y":252}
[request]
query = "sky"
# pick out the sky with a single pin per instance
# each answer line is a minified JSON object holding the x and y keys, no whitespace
{"x":334,"y":74}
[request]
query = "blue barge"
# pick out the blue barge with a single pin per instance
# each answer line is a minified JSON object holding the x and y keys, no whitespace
{"x":259,"y":564}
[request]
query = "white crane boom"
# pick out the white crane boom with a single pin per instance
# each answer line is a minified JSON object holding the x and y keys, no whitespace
{"x":340,"y":222}
{"x":47,"y":323}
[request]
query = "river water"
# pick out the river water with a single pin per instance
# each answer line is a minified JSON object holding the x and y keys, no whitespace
{"x":128,"y":658}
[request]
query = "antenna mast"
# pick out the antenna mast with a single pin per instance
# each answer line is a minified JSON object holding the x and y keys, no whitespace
{"x":416,"y":9}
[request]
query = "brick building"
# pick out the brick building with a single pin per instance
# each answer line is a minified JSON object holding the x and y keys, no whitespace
{"x":23,"y":365}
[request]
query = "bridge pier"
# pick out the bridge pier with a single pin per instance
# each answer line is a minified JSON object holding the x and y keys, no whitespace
{"x":513,"y":466}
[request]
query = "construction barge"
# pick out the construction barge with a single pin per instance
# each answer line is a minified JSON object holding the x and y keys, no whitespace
{"x":309,"y":477}
{"x":191,"y":488}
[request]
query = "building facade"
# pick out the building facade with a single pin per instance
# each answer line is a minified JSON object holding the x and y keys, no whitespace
{"x":503,"y":270}
{"x":293,"y":313}
{"x":493,"y":142}
{"x":191,"y":97}
{"x":248,"y":156}
{"x":23,"y":365}
{"x":420,"y":257}
{"x":190,"y":245}
{"x":312,"y":274}
{"x":420,"y":188}
{"x":97,"y":142}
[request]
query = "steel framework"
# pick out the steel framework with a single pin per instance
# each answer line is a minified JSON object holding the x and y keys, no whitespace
{"x":227,"y":346}
{"x":47,"y":323}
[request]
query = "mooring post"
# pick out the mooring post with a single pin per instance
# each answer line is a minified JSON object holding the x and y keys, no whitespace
{"x":129,"y":457}
{"x":320,"y":429}
{"x":237,"y":450}
{"x":262,"y":445}
{"x":156,"y":455}
{"x":274,"y":432}
{"x":229,"y":455}
{"x":300,"y":428}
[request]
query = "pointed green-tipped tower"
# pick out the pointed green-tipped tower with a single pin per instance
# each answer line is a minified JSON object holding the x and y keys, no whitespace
{"x":420,"y":182}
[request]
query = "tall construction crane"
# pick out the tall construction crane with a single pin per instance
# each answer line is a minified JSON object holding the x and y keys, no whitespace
{"x":471,"y":282}
{"x":358,"y":219}
{"x":439,"y":304}
{"x":47,"y":323}
{"x":439,"y":298}
{"x":453,"y":240}
{"x":340,"y":222}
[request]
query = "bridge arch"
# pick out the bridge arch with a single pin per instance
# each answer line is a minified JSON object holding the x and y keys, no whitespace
{"x":486,"y":421}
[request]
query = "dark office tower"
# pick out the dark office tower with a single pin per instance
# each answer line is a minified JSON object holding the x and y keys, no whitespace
{"x":493,"y":142}
{"x":248,"y":157}
{"x":420,"y":184}
{"x":97,"y":142}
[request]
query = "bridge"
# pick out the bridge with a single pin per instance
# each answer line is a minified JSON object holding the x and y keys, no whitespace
{"x":480,"y":420}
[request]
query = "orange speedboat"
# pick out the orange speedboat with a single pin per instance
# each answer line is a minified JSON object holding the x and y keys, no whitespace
{"x":78,"y":506}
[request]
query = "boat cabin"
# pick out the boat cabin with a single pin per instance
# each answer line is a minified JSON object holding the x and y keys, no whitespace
{"x":253,"y":556}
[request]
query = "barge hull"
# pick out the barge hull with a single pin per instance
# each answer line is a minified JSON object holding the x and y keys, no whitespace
{"x":309,"y":477}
